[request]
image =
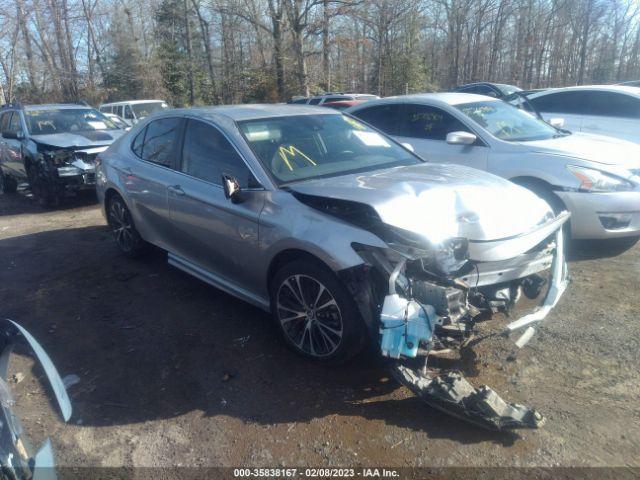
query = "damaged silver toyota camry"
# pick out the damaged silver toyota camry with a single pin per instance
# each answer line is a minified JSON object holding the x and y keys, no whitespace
{"x":344,"y":235}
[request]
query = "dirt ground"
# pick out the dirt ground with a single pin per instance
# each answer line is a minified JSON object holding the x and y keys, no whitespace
{"x":176,"y":373}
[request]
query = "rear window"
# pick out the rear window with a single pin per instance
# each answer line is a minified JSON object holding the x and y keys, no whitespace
{"x":157,"y":142}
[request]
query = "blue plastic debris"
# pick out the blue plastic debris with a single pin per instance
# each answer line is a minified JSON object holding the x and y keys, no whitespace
{"x":404,"y":324}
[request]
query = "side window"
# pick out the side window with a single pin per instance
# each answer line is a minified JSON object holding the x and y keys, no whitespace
{"x":424,"y":121}
{"x":611,"y":104}
{"x":314,"y":101}
{"x":160,"y":141}
{"x":207,"y":154}
{"x":14,"y":124}
{"x":128,"y":113}
{"x":384,"y":117}
{"x":4,"y":121}
{"x":561,"y":102}
{"x":119,"y":110}
{"x":136,"y":146}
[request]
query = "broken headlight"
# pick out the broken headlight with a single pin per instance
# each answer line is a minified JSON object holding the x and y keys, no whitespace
{"x":451,"y":255}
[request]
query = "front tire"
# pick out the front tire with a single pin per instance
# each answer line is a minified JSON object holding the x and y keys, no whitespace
{"x":41,"y":187}
{"x":7,"y":184}
{"x":315,"y":314}
{"x":123,"y":229}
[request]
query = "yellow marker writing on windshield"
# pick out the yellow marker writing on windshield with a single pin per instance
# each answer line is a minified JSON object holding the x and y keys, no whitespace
{"x":286,"y":153}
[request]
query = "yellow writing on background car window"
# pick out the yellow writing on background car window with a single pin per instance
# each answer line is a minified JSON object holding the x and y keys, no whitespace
{"x":354,"y":124}
{"x":291,"y":153}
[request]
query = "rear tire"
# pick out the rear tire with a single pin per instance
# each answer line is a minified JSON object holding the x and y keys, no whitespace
{"x":123,"y":229}
{"x":7,"y":184}
{"x":315,"y":314}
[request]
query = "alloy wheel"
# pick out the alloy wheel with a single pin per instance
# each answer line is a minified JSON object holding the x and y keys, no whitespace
{"x":121,"y":226}
{"x":309,"y":315}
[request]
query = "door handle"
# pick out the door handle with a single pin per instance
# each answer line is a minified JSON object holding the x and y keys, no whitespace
{"x":176,"y":190}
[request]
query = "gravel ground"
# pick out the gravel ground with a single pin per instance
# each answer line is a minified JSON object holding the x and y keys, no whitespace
{"x":176,"y":373}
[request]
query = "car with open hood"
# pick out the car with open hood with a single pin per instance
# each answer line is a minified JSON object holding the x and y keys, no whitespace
{"x":340,"y":232}
{"x":52,"y":148}
{"x":596,"y":178}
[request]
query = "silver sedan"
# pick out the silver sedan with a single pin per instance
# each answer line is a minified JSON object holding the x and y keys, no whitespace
{"x":594,"y":177}
{"x":334,"y":228}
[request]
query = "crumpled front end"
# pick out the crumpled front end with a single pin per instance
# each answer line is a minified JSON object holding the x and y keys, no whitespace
{"x":461,"y":244}
{"x":435,"y":301}
{"x":68,"y":169}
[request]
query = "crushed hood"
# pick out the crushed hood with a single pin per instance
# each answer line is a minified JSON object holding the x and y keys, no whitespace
{"x":94,"y":138}
{"x":439,"y":201}
{"x":595,"y":148}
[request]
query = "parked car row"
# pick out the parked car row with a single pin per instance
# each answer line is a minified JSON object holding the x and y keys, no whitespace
{"x":404,"y":221}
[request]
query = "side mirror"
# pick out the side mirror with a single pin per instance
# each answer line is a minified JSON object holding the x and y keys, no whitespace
{"x":461,"y":138}
{"x":408,"y":146}
{"x":11,"y":135}
{"x":231,"y":188}
{"x":556,"y":122}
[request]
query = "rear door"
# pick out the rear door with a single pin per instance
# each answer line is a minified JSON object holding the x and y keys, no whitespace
{"x":613,"y":113}
{"x":568,"y":105}
{"x":425,"y":128}
{"x":212,"y":231}
{"x":147,"y":177}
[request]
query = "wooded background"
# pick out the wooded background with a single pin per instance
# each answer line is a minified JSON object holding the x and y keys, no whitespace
{"x":192,"y":52}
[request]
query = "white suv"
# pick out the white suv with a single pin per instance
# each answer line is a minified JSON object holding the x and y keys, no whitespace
{"x":134,"y":110}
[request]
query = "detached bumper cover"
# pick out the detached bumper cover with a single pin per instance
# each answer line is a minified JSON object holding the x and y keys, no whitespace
{"x":452,"y":394}
{"x":559,"y":282}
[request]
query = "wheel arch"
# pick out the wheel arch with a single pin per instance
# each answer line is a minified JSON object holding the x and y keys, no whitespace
{"x":540,"y":187}
{"x":290,"y":255}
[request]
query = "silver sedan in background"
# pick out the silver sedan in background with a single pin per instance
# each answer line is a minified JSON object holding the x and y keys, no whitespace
{"x":595,"y":177}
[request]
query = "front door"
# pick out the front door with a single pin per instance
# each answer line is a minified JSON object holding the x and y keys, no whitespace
{"x":213,"y":232}
{"x":425,"y":128}
{"x":12,"y":147}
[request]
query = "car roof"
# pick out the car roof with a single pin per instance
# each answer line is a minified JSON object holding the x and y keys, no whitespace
{"x":56,"y":106}
{"x":237,"y":113}
{"x":442,"y":98}
{"x":346,"y":102}
{"x":131,"y":102}
{"x":600,"y":88}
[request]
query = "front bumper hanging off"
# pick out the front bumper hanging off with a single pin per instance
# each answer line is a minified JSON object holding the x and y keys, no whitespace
{"x":452,"y":394}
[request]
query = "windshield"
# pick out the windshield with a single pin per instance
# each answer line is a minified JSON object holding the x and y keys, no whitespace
{"x":66,"y":120}
{"x":145,"y":109}
{"x":507,"y":122}
{"x":301,"y":147}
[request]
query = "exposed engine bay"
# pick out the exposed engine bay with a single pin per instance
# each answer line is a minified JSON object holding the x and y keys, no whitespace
{"x":423,"y":316}
{"x":432,"y":299}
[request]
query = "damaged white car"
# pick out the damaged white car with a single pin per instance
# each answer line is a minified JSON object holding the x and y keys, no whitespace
{"x":339,"y":231}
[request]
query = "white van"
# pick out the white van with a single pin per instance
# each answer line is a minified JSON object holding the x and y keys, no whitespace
{"x":134,"y":110}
